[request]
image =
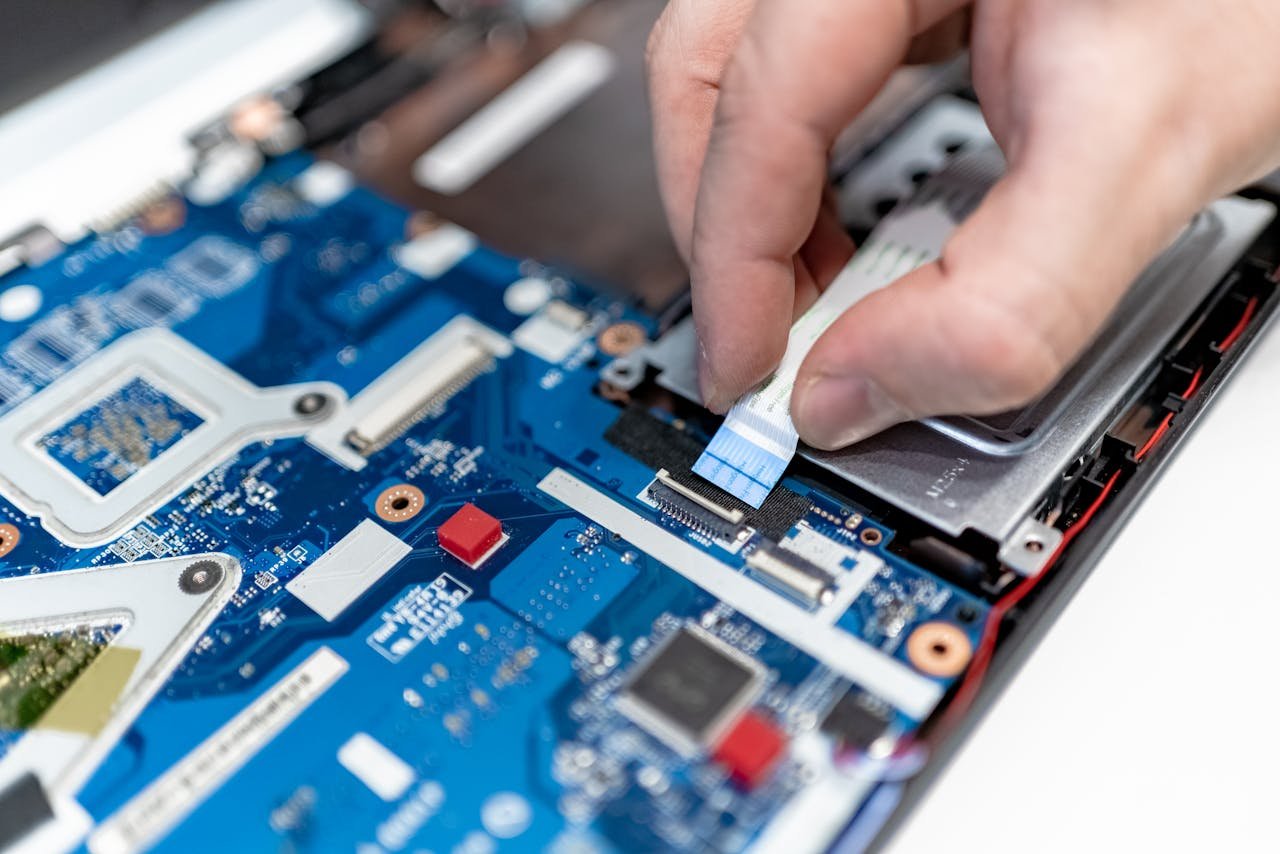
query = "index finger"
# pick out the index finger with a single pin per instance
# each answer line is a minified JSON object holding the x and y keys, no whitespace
{"x":795,"y":80}
{"x":688,"y":50}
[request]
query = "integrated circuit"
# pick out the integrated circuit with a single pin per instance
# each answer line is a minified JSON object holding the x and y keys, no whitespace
{"x":857,"y":720}
{"x":690,"y":689}
{"x":153,"y":299}
{"x":112,"y":440}
{"x":215,"y":266}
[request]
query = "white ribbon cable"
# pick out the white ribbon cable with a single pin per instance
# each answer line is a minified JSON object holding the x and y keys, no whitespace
{"x":751,"y":450}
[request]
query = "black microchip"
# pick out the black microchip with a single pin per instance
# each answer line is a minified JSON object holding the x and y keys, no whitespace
{"x":688,"y":686}
{"x":857,"y":720}
{"x":23,"y":808}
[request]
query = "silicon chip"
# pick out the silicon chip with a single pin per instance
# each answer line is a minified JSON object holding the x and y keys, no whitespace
{"x":857,"y":720}
{"x":470,"y":535}
{"x":119,"y":435}
{"x":215,"y":266}
{"x":751,"y":750}
{"x":690,"y":688}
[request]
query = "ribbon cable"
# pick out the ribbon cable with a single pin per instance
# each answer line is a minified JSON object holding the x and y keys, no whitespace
{"x":749,"y":453}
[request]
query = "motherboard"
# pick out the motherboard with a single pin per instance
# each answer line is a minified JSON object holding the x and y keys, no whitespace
{"x":320,"y":530}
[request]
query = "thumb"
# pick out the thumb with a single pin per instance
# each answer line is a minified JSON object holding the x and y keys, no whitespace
{"x":1019,"y":290}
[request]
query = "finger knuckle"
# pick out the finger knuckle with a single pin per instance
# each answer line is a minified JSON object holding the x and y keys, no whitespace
{"x":680,"y":52}
{"x":655,"y":45}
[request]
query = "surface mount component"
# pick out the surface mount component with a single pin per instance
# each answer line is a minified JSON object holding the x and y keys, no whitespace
{"x":857,"y":720}
{"x":794,"y":574}
{"x":732,"y":515}
{"x":687,"y":506}
{"x":471,"y":535}
{"x":751,"y":749}
{"x":690,"y":689}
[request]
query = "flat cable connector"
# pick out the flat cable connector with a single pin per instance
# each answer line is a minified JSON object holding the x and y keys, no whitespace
{"x":794,"y":574}
{"x":735,"y":517}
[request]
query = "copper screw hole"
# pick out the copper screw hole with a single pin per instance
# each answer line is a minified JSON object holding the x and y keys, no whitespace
{"x":9,"y":537}
{"x":619,"y":339}
{"x":400,"y":503}
{"x":939,"y":649}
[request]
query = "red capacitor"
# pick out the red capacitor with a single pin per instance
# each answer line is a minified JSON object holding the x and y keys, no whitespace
{"x":469,"y":534}
{"x":751,"y":749}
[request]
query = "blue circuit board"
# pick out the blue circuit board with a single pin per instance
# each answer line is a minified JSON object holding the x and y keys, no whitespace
{"x":106,"y":443}
{"x":501,"y":689}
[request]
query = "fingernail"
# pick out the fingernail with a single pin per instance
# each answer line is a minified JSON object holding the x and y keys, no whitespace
{"x":832,"y":411}
{"x":711,"y":395}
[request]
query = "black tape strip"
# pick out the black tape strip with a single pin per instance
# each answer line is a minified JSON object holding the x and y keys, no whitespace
{"x":660,"y":445}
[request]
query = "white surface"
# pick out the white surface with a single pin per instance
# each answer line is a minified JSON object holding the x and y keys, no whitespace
{"x":387,"y":775}
{"x":527,"y":295}
{"x":323,"y":183}
{"x":437,"y":252}
{"x":98,"y":141}
{"x":522,"y":111}
{"x":1147,"y":718}
{"x":351,"y":566}
{"x":20,"y":302}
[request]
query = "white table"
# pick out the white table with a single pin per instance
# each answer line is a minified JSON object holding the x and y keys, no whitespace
{"x":1147,"y":719}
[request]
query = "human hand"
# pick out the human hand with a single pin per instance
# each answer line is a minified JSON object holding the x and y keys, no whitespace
{"x":1118,"y":120}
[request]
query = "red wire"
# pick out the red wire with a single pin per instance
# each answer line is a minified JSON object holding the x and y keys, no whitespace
{"x":977,"y":670}
{"x":1249,"y":308}
{"x":1227,"y":343}
{"x":1168,"y":418}
{"x":991,"y":630}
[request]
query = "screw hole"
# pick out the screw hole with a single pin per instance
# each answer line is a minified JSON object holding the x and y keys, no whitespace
{"x":200,"y":577}
{"x":310,"y":403}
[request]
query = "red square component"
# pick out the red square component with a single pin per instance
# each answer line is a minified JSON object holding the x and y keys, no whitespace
{"x":751,"y":749}
{"x":470,"y":534}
